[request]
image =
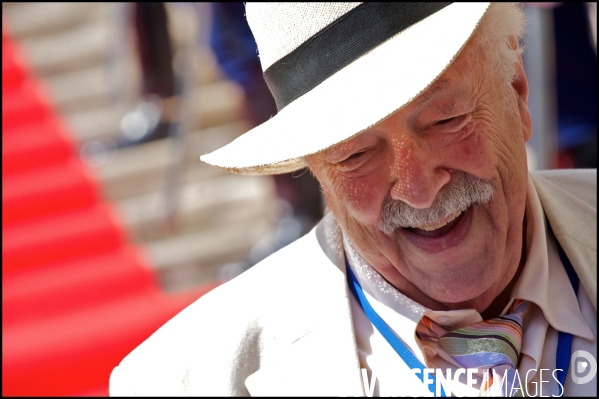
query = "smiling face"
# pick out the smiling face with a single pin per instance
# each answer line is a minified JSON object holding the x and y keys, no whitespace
{"x":465,"y":133}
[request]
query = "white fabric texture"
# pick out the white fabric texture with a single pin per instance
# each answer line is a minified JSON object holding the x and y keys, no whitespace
{"x":279,"y":28}
{"x":285,"y":327}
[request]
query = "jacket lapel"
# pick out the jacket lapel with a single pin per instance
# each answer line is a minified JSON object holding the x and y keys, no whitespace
{"x":315,"y":344}
{"x":569,"y":216}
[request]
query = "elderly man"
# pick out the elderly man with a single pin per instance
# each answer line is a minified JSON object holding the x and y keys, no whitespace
{"x":444,"y":266}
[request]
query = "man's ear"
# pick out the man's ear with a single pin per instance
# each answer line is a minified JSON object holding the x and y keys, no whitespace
{"x":520,"y":85}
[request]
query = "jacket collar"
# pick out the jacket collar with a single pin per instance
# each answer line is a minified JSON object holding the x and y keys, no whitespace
{"x":569,"y":217}
{"x":314,"y":353}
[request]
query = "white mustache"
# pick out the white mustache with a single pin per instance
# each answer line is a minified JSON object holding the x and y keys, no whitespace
{"x":455,"y":197}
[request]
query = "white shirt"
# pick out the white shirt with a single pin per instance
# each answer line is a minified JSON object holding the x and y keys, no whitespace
{"x":543,"y":281}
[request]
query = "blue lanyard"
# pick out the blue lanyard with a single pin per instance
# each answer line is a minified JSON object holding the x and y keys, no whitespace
{"x":564,"y":343}
{"x":399,"y":347}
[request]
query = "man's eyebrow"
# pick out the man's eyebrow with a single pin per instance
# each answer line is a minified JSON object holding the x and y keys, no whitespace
{"x":435,"y":87}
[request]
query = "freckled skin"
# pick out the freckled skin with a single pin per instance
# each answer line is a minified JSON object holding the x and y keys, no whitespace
{"x":467,"y":125}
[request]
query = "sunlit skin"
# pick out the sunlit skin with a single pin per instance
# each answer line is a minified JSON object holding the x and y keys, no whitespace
{"x":462,"y":122}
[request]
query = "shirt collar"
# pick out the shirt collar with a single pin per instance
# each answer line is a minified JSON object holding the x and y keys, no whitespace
{"x":380,"y":289}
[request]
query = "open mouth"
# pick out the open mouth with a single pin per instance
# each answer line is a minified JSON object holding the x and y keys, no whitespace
{"x":439,"y":229}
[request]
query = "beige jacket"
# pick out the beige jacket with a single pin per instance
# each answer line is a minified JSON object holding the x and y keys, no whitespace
{"x":284,"y":327}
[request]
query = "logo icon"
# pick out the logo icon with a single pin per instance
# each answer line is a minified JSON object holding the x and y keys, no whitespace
{"x":579,"y":366}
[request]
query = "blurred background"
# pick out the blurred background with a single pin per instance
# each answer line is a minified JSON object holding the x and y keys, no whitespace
{"x":111,"y":224}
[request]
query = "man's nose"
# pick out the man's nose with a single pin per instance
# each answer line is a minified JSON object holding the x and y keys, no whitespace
{"x":417,"y":173}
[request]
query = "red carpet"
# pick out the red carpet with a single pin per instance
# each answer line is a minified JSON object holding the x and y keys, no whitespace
{"x":76,"y":295}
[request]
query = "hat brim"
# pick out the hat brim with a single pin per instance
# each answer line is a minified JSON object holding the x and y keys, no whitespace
{"x":355,"y":98}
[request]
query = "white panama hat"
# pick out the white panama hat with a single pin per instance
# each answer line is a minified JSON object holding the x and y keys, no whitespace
{"x":337,"y":69}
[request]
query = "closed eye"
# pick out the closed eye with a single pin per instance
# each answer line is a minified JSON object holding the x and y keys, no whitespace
{"x":444,"y":121}
{"x":355,"y":160}
{"x":356,"y":155}
{"x":454,"y":123}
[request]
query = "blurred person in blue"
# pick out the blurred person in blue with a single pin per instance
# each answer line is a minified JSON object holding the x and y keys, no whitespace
{"x":441,"y":252}
{"x":576,"y":84}
{"x":568,"y":30}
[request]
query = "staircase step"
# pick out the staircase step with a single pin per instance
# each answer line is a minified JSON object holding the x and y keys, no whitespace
{"x":23,"y":104}
{"x":95,"y":123}
{"x":68,"y":354}
{"x":223,"y":243}
{"x":49,"y":190}
{"x":36,"y":19}
{"x":47,"y":290}
{"x":138,"y":170}
{"x":80,"y":89}
{"x":208,"y":69}
{"x":33,"y":145}
{"x":13,"y":66}
{"x":202,"y":205}
{"x":84,"y":46}
{"x":60,"y":237}
{"x":214,"y":104}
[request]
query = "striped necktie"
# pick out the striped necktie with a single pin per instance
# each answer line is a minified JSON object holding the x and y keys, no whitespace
{"x":492,"y":346}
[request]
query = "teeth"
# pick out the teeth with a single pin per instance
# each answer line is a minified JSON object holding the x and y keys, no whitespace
{"x":439,"y":225}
